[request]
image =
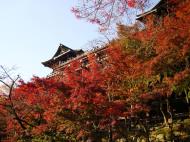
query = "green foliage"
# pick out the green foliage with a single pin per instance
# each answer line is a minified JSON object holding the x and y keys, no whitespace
{"x":180,"y":131}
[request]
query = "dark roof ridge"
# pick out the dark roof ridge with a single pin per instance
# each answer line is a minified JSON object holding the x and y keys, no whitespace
{"x":61,"y":48}
{"x":153,"y":9}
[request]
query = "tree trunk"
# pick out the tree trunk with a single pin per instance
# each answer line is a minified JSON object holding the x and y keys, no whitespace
{"x":169,"y":111}
{"x":146,"y":130}
{"x":110,"y":134}
{"x":171,"y":120}
{"x":163,"y":114}
{"x":187,"y":101}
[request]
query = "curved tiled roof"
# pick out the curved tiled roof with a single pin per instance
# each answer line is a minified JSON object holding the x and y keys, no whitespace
{"x":60,"y":53}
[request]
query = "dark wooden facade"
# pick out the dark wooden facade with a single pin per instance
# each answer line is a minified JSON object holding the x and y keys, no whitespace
{"x":160,"y":10}
{"x":65,"y":55}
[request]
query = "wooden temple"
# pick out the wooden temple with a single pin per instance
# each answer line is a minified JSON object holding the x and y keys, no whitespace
{"x":159,"y":11}
{"x":65,"y":55}
{"x":61,"y":57}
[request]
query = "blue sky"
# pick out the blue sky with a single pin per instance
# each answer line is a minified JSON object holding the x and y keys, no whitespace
{"x":31,"y":31}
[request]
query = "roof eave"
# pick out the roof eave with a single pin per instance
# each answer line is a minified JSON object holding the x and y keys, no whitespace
{"x":47,"y":63}
{"x":140,"y":16}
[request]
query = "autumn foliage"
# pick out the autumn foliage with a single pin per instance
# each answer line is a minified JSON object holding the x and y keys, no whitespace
{"x":106,"y":12}
{"x":137,"y":85}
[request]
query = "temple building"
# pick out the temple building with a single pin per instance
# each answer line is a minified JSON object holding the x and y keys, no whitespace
{"x":61,"y":58}
{"x":65,"y":55}
{"x":159,"y":11}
